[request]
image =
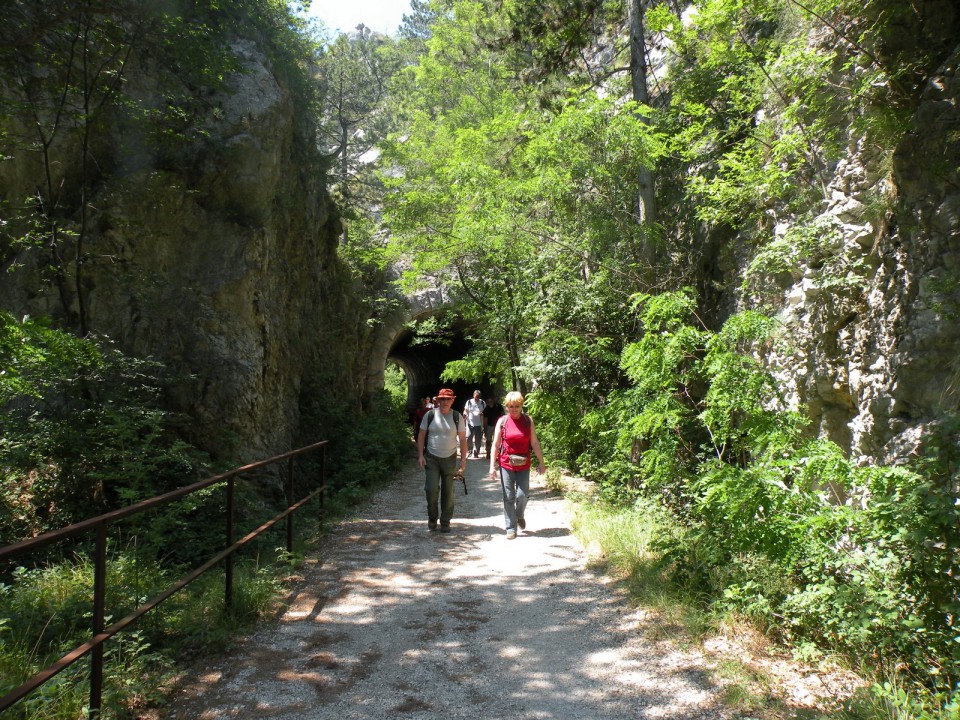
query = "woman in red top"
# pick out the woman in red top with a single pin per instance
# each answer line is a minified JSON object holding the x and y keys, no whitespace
{"x":514,"y":439}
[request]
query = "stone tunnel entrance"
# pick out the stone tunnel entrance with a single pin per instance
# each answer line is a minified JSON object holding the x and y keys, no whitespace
{"x":422,"y":361}
{"x":422,"y":356}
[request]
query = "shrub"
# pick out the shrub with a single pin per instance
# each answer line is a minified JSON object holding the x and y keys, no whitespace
{"x":84,"y":430}
{"x":775,"y":525}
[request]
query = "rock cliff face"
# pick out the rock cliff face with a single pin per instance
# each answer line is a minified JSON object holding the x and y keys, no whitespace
{"x":224,"y":269}
{"x":874,"y":337}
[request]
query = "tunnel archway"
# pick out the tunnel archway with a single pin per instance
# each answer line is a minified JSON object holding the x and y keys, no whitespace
{"x":423,"y":361}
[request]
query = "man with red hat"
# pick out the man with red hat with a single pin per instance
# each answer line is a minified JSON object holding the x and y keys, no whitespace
{"x":442,"y":431}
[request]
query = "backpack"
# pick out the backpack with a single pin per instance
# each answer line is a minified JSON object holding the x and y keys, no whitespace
{"x":429,"y":416}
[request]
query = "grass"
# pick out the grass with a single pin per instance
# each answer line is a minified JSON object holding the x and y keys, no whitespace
{"x":45,"y":613}
{"x":621,"y":542}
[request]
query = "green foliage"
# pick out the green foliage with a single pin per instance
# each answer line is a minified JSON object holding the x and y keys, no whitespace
{"x":757,"y":111}
{"x":900,"y":699}
{"x":628,"y":534}
{"x":556,"y":32}
{"x":780,"y":527}
{"x":354,"y":72}
{"x":521,"y":214}
{"x":817,"y":248}
{"x":432,"y":330}
{"x":83,"y":429}
{"x":877,"y":574}
{"x":628,"y":541}
{"x":476,"y":366}
{"x":520,"y":202}
{"x":45,"y":612}
{"x":395,"y":384}
{"x":365,"y":443}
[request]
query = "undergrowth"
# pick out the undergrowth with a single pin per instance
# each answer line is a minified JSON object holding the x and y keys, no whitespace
{"x":760,"y":521}
{"x":59,"y":464}
{"x":45,"y":612}
{"x":623,"y":541}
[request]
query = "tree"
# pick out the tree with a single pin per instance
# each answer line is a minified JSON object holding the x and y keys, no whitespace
{"x":415,"y":28}
{"x":354,"y":73}
{"x":510,"y":204}
{"x":562,"y":36}
{"x":647,"y":201}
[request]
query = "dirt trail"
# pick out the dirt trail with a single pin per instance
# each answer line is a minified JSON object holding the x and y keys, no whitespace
{"x":398,"y":622}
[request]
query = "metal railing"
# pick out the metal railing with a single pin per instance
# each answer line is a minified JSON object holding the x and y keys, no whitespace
{"x":100,"y":524}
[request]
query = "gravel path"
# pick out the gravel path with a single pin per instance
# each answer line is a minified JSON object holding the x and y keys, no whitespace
{"x":398,"y":622}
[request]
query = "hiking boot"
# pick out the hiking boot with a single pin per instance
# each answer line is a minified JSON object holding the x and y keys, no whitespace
{"x":511,"y":534}
{"x":521,"y":523}
{"x":432,"y":525}
{"x":445,"y":528}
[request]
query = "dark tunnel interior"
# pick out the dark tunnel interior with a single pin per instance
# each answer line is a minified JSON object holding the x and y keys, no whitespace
{"x":422,"y":361}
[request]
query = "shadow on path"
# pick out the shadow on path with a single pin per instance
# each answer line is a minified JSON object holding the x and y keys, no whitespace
{"x":397,"y":622}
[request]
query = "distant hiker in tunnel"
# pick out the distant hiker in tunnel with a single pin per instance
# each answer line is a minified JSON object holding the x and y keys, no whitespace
{"x":474,"y":411}
{"x":421,"y":410}
{"x":442,"y":431}
{"x":514,"y":440}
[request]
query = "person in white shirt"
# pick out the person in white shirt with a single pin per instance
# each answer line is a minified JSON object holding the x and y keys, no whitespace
{"x":442,"y":432}
{"x":473,"y":409}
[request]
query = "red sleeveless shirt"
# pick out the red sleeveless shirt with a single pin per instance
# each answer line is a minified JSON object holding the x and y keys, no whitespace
{"x":515,"y":441}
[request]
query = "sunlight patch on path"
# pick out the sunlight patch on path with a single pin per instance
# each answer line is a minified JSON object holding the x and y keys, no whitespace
{"x":397,"y":621}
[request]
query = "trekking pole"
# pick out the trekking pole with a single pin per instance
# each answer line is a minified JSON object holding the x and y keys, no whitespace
{"x":462,"y":478}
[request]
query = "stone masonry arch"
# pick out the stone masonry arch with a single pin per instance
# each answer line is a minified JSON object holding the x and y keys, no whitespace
{"x":422,"y":363}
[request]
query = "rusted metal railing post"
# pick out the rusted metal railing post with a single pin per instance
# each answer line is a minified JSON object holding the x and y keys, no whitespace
{"x":289,"y":503}
{"x":323,"y":485}
{"x":228,"y":567}
{"x":99,"y":613}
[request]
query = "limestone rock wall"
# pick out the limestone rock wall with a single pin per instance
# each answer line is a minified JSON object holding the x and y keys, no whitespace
{"x":223,"y":268}
{"x":873,"y":350}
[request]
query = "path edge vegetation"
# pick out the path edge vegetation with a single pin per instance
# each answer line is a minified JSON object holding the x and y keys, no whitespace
{"x":69,"y":406}
{"x":732,"y":511}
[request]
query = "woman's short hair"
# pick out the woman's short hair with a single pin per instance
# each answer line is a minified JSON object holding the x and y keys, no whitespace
{"x":513,"y":397}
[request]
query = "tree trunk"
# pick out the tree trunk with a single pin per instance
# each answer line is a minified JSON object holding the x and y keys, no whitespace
{"x":646,"y":200}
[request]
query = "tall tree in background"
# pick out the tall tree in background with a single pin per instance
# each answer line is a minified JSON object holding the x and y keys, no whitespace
{"x":448,"y":214}
{"x":517,"y":205}
{"x":354,"y":72}
{"x":415,"y":28}
{"x":565,"y":38}
{"x":647,"y":201}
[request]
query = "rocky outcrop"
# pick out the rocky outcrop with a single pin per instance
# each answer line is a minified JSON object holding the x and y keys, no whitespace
{"x":223,"y":266}
{"x":924,"y":282}
{"x":872,"y":326}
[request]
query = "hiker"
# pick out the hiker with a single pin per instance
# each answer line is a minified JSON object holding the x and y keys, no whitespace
{"x":442,"y":431}
{"x":422,"y":409}
{"x":491,"y":413}
{"x":513,"y":440}
{"x":473,"y":409}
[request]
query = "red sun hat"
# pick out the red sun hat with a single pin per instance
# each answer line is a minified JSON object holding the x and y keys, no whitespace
{"x":446,"y":393}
